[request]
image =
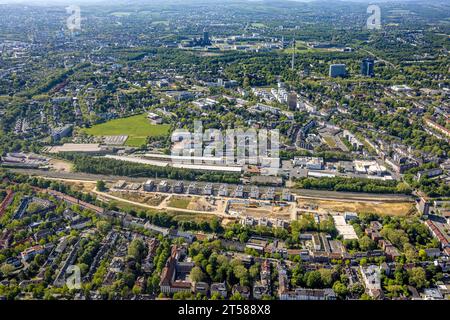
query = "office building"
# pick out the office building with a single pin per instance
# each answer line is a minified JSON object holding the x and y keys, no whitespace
{"x":206,"y":40}
{"x":292,"y":101}
{"x":338,"y":70}
{"x":368,"y":67}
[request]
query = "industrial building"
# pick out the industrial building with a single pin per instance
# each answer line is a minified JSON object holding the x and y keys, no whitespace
{"x":311,"y":163}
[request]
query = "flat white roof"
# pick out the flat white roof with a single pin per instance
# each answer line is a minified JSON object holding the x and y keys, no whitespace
{"x":75,"y":147}
{"x":138,"y":160}
{"x":320,"y":174}
{"x":346,"y":230}
{"x":176,"y":165}
{"x":172,"y":157}
{"x":208,"y":168}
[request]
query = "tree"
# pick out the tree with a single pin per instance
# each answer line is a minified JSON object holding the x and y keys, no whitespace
{"x":237,"y":296}
{"x":417,"y":277}
{"x":215,"y":225}
{"x":403,"y":188}
{"x":6,"y":269}
{"x":103,"y":226}
{"x":365,"y":296}
{"x":136,"y":290}
{"x":363,"y":262}
{"x":313,"y":279}
{"x":101,"y":185}
{"x":357,"y":288}
{"x":326,"y":276}
{"x":366,"y":244}
{"x":84,"y":268}
{"x":216,"y":296}
{"x":183,"y":296}
{"x":241,"y":273}
{"x":197,"y":274}
{"x":423,"y":255}
{"x":340,"y":289}
{"x":136,"y":249}
{"x":410,"y":252}
{"x":254,"y":270}
{"x":243,"y":237}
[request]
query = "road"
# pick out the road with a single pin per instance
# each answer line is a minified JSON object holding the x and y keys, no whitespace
{"x":160,"y":207}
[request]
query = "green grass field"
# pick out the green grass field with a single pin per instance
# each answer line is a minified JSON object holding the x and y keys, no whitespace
{"x":179,"y":203}
{"x":137,"y":128}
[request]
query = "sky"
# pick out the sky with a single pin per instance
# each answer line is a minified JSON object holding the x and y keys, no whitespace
{"x":43,"y":2}
{"x":142,"y":1}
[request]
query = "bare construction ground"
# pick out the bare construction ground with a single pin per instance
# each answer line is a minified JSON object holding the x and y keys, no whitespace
{"x":201,"y":204}
{"x":190,"y":203}
{"x":152,"y":199}
{"x":259,"y":211}
{"x":60,"y":165}
{"x":381,"y":208}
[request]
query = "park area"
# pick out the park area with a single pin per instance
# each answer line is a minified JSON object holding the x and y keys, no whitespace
{"x":138,"y":128}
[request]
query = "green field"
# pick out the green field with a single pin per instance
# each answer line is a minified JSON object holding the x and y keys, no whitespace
{"x":137,"y":128}
{"x":179,"y":202}
{"x":258,"y":25}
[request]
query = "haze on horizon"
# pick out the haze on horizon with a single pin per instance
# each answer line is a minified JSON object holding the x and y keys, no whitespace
{"x":44,"y":2}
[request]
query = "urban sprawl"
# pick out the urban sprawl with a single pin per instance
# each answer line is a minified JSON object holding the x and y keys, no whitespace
{"x":101,"y":199}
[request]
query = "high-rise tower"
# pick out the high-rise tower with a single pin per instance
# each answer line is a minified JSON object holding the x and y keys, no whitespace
{"x":293,"y":56}
{"x":368,"y":67}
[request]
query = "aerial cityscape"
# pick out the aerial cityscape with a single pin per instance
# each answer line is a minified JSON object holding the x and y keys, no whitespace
{"x":225,"y":150}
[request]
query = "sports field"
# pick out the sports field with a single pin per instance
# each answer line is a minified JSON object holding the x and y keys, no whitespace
{"x":137,"y":128}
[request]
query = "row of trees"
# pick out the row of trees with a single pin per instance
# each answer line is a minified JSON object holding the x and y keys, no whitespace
{"x":353,"y":185}
{"x":120,"y":168}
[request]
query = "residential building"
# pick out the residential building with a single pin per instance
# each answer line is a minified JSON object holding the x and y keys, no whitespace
{"x":219,"y":288}
{"x":309,"y":294}
{"x":208,"y":189}
{"x":223,"y":190}
{"x":244,"y":291}
{"x":61,"y":132}
{"x":178,"y":187}
{"x":192,"y":188}
{"x":29,"y":253}
{"x":239,"y":191}
{"x":149,"y":185}
{"x":175,"y":274}
{"x":254,"y":192}
{"x":163,"y":186}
